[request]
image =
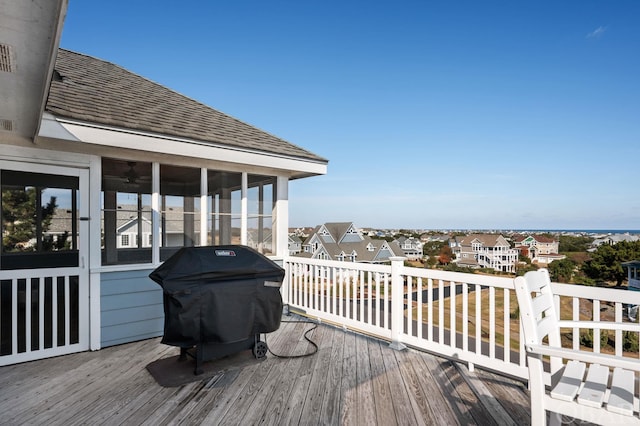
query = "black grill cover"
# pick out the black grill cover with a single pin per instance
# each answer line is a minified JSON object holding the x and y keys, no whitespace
{"x":218,"y":294}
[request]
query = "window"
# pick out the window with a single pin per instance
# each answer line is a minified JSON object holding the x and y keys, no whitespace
{"x":260,"y":202}
{"x":126,"y":211}
{"x":39,"y":220}
{"x":179,"y":209}
{"x":225,"y":210}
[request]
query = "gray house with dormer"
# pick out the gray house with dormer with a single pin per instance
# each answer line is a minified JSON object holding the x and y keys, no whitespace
{"x":343,"y":241}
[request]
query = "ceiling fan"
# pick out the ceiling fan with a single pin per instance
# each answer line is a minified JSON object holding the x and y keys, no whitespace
{"x":131,"y":176}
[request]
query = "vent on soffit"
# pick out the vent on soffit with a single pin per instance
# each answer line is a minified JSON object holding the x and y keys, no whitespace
{"x":6,"y":58}
{"x":6,"y":125}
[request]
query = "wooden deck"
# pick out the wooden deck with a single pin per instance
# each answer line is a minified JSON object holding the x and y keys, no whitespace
{"x":352,"y":379}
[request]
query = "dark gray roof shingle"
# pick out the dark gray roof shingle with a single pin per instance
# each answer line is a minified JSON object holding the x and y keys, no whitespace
{"x":97,"y":91}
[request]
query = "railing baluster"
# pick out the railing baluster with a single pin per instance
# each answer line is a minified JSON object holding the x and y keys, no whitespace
{"x":361,"y":298}
{"x":54,"y":312}
{"x":507,"y":325}
{"x":430,"y":309}
{"x":67,"y":313}
{"x":409,"y":306}
{"x":341,"y":292}
{"x":334,"y":291}
{"x":41,"y":300}
{"x":27,"y":310}
{"x":465,"y":316}
{"x":575,"y":303}
{"x":354,"y":295}
{"x":596,"y":332}
{"x":452,"y":314}
{"x":618,"y":333}
{"x":386,"y":301}
{"x":419,"y":308}
{"x":14,"y":316}
{"x":492,"y":322}
{"x":441,"y":303}
{"x":478,"y":319}
{"x":369,"y":276}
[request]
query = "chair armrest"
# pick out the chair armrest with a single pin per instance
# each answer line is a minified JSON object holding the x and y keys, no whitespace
{"x":588,"y":357}
{"x":602,"y":325}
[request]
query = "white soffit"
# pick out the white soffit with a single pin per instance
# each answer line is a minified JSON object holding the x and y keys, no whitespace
{"x":120,"y":138}
{"x":29,"y":35}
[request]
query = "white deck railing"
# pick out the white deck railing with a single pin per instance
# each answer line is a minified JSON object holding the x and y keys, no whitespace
{"x":413,"y":306}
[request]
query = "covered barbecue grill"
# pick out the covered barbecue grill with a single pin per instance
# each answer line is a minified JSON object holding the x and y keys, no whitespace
{"x":218,"y":300}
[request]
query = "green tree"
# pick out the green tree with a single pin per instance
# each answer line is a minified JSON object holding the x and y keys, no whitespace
{"x":19,"y":220}
{"x":562,"y":270}
{"x":605,"y":262}
{"x":432,"y":248}
{"x":571,"y":243}
{"x":430,"y":262}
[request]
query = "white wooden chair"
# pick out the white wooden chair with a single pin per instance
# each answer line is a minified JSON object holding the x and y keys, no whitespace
{"x":582,"y":388}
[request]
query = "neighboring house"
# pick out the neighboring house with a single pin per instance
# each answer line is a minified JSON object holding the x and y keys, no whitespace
{"x":410,"y":246}
{"x":295,"y":245}
{"x":633,"y":274}
{"x":484,"y":251}
{"x":539,"y":248}
{"x":441,"y":238}
{"x":94,"y":138}
{"x":614,"y":239}
{"x":633,"y":278}
{"x":343,"y":241}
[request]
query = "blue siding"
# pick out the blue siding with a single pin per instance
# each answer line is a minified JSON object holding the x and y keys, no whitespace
{"x":131,"y":307}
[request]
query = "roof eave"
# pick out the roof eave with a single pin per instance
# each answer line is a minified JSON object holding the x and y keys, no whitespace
{"x":76,"y":131}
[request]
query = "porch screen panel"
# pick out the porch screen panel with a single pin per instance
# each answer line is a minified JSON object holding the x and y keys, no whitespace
{"x":260,"y":202}
{"x":126,"y":212}
{"x":225,"y":213}
{"x":180,"y":208}
{"x":39,"y":220}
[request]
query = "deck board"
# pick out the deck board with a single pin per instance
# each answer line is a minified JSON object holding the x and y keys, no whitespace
{"x":385,"y":412}
{"x":399,"y":395}
{"x":351,"y":380}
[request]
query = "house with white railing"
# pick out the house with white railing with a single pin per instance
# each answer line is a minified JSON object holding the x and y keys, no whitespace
{"x":633,"y":274}
{"x":411,"y":247}
{"x":540,"y":249}
{"x":484,"y":251}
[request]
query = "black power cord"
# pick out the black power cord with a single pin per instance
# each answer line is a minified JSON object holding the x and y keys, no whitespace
{"x":315,"y":346}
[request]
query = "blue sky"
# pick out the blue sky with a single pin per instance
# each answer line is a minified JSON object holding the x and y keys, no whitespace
{"x":432,"y":114}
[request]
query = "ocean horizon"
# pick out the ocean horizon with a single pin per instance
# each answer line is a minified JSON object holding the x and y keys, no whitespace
{"x":584,"y":231}
{"x":550,"y":231}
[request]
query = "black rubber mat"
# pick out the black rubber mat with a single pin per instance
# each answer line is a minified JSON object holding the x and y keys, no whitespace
{"x":171,"y":372}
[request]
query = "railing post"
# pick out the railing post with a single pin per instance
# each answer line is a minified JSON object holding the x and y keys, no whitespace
{"x":397,"y":303}
{"x":286,"y":286}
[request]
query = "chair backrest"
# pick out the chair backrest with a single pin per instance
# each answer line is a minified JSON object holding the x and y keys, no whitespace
{"x":537,"y":308}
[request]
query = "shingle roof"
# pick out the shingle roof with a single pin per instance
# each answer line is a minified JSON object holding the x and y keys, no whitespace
{"x":97,"y":91}
{"x":488,"y":240}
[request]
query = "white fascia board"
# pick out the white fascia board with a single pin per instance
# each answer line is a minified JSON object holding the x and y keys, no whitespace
{"x":127,"y":139}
